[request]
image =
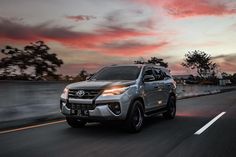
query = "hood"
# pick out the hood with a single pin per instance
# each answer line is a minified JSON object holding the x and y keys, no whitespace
{"x":99,"y":84}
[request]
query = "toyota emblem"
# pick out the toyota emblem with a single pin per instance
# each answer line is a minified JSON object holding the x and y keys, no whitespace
{"x":80,"y":93}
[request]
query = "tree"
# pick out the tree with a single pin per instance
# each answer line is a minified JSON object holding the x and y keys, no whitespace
{"x":152,"y":60}
{"x":34,"y":56}
{"x":141,"y":60}
{"x":83,"y":74}
{"x":231,"y":77}
{"x":15,"y":60}
{"x":200,"y":61}
{"x":158,"y":61}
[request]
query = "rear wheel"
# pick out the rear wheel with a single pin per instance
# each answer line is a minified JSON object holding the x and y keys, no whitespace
{"x":135,"y":118}
{"x":75,"y":122}
{"x":171,"y":108}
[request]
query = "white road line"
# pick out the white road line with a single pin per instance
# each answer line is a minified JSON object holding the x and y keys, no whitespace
{"x":209,"y":124}
{"x":30,"y":127}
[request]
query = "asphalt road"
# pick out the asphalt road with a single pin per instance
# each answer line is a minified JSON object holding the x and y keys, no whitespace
{"x":160,"y":137}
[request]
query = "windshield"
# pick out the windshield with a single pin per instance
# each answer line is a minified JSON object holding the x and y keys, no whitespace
{"x":118,"y":73}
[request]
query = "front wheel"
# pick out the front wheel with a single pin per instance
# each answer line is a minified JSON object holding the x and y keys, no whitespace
{"x":171,"y":108}
{"x":75,"y":122}
{"x":135,"y":118}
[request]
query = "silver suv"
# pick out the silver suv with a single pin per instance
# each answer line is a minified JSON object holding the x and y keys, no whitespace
{"x":126,"y":93}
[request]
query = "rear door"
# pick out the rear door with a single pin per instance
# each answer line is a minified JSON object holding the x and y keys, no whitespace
{"x":160,"y":86}
{"x":168,"y":82}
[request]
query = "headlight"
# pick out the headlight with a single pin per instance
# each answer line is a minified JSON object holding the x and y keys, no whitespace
{"x":65,"y":92}
{"x":114,"y":91}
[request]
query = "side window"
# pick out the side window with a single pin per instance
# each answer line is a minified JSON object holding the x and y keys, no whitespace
{"x":166,"y":75}
{"x":148,"y":71}
{"x":159,"y":75}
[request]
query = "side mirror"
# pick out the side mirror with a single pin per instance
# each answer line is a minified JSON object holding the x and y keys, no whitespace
{"x":148,"y":78}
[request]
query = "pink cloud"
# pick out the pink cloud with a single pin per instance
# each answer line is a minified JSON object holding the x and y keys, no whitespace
{"x":177,"y":69}
{"x":81,"y":17}
{"x":81,"y":40}
{"x":187,"y":8}
{"x":227,"y":67}
{"x":227,"y":63}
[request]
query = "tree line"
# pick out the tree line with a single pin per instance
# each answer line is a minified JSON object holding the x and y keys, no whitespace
{"x":35,"y":62}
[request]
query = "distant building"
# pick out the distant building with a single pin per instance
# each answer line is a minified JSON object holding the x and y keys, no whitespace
{"x":224,"y":82}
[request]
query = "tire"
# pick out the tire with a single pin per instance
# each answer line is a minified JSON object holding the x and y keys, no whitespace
{"x":75,"y":122}
{"x":171,"y":108}
{"x":135,"y":117}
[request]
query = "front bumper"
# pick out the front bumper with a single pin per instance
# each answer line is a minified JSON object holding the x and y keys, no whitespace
{"x":100,"y":110}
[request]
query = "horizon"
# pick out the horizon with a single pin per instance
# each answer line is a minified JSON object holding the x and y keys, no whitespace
{"x":87,"y":35}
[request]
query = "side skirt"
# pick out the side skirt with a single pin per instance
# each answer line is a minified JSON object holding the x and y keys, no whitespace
{"x":155,"y":112}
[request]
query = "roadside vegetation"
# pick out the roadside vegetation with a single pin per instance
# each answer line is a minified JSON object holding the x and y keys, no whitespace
{"x":202,"y":63}
{"x":33,"y":62}
{"x":152,"y":60}
{"x":36,"y":62}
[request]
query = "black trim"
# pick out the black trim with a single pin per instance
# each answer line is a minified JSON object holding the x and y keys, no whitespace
{"x":132,"y":102}
{"x":158,"y":110}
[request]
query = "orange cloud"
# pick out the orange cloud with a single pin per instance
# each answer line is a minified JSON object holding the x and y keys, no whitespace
{"x":81,"y":40}
{"x":187,"y":8}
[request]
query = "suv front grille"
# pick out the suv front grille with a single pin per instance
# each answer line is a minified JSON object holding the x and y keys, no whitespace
{"x":88,"y":93}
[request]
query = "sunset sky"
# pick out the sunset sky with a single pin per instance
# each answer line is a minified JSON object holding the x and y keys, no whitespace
{"x":88,"y":34}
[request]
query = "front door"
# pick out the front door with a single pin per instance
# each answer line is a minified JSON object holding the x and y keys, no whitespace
{"x":150,"y":91}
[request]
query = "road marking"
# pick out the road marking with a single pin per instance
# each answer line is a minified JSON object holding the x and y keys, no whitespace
{"x":209,"y":124}
{"x":31,"y":127}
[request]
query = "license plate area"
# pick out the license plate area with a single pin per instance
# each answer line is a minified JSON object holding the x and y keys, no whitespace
{"x":81,"y":109}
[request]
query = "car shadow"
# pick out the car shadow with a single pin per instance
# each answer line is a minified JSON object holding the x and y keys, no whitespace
{"x":116,"y":128}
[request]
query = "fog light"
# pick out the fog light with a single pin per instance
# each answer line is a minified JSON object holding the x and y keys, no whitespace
{"x":115,"y":107}
{"x":68,"y":105}
{"x":62,"y":103}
